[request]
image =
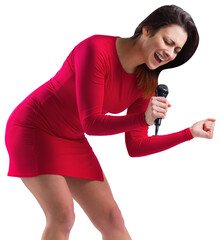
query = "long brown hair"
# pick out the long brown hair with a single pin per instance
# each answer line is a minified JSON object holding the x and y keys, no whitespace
{"x":163,"y":17}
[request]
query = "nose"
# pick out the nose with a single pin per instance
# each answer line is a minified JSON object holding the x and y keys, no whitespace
{"x":169,"y":53}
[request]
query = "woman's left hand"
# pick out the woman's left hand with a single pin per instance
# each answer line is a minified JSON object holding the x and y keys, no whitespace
{"x":204,"y":128}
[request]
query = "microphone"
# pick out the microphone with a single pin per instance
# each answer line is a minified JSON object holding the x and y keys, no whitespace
{"x":161,"y":91}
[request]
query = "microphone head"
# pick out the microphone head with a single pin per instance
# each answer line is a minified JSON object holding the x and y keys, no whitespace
{"x":162,"y":91}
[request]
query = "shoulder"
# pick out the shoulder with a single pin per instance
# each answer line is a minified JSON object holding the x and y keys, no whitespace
{"x":94,"y":51}
{"x":101,"y":43}
{"x":97,"y":49}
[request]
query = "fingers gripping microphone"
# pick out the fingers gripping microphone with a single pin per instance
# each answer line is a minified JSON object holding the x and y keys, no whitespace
{"x":161,"y":91}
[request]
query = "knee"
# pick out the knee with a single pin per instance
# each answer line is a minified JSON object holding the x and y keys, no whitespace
{"x":62,"y":220}
{"x":67,"y":221}
{"x":114,"y":220}
{"x":116,"y":217}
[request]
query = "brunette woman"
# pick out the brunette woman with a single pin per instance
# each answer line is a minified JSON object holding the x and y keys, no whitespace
{"x":45,"y":134}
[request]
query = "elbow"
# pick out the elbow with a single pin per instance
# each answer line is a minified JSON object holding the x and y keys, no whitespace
{"x":89,"y":126}
{"x":135,"y":149}
{"x":88,"y":130}
{"x":86,"y":125}
{"x":89,"y":133}
{"x":132,"y":147}
{"x":132,"y":154}
{"x":132,"y":151}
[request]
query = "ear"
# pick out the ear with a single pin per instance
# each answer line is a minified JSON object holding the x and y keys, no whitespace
{"x":146,"y":31}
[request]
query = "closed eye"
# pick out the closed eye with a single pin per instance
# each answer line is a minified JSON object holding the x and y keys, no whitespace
{"x":172,"y":43}
{"x":169,"y":43}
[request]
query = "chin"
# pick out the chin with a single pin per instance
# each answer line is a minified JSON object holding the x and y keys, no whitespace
{"x":151,"y":66}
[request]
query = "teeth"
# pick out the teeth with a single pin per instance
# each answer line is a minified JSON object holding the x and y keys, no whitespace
{"x":160,"y":57}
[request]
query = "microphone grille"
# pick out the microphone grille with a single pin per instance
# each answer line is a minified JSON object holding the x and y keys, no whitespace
{"x":162,"y":90}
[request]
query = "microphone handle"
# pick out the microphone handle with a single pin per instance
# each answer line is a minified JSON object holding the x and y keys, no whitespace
{"x":157,"y":125}
{"x":161,"y":91}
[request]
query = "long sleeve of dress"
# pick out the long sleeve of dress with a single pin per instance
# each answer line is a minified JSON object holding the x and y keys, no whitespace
{"x":140,"y":144}
{"x":90,"y":72}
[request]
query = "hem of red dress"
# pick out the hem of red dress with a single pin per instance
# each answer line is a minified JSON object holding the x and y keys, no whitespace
{"x":22,"y":175}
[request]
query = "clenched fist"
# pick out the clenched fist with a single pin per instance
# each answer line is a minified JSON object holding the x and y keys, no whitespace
{"x":204,"y":128}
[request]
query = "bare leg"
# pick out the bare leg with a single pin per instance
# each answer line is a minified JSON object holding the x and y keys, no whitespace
{"x":53,"y":195}
{"x":96,"y":199}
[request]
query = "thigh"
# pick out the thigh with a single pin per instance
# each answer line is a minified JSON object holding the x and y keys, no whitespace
{"x":96,"y":199}
{"x":53,"y":195}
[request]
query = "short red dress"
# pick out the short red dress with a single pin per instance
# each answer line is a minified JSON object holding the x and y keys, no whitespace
{"x":45,"y":134}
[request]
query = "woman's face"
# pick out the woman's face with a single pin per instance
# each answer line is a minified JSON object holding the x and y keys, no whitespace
{"x":163,"y":47}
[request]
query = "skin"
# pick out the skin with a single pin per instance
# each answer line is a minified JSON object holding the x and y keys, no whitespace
{"x":55,"y":193}
{"x":167,"y":43}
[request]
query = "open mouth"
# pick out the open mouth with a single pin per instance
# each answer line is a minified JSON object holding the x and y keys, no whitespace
{"x":158,"y":58}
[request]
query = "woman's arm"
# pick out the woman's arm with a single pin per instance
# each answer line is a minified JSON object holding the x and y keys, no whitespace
{"x":90,"y":71}
{"x":140,"y":144}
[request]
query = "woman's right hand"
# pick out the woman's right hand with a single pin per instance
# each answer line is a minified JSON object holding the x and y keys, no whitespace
{"x":157,"y":108}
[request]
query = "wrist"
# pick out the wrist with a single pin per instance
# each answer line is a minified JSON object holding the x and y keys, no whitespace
{"x":145,"y":117}
{"x":192,"y":132}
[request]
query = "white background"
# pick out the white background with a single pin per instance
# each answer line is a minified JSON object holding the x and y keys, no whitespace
{"x":170,"y":195}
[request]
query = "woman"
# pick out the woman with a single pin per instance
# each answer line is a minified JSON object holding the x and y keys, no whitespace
{"x":103,"y":74}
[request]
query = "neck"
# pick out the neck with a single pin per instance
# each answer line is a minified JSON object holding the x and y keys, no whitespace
{"x":129,"y":54}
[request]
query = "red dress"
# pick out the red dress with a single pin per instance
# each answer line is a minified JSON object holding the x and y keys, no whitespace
{"x":45,"y":134}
